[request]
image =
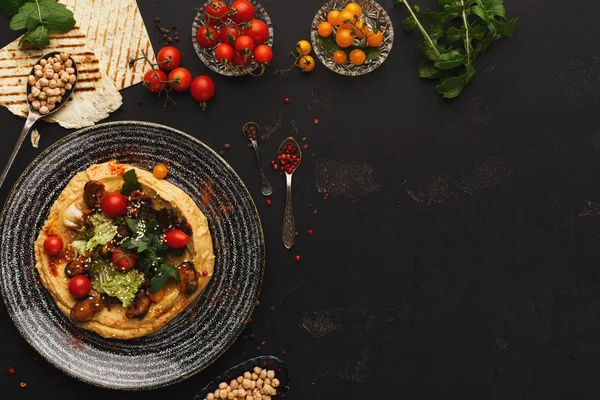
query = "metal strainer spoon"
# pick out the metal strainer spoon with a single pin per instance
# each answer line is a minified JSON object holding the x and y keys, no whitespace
{"x":34,"y":115}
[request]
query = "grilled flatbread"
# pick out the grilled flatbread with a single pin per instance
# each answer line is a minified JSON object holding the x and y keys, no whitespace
{"x":95,"y":95}
{"x":115,"y":31}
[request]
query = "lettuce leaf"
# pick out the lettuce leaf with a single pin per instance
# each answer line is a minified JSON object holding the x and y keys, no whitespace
{"x":122,"y":285}
{"x":103,"y":231}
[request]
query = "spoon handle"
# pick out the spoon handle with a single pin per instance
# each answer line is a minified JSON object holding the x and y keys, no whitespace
{"x":265,"y":186}
{"x":289,"y":227}
{"x":26,"y":128}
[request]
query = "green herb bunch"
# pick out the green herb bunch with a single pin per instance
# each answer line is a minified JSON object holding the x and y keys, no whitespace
{"x":38,"y":17}
{"x":458,"y":34}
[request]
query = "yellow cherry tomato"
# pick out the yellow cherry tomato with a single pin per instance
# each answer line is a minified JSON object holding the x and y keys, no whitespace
{"x":344,"y":38}
{"x":332,"y":17}
{"x":357,"y":57}
{"x":339,"y":57}
{"x":346,"y":19}
{"x":160,"y":171}
{"x":360,"y":29}
{"x":303,"y":47}
{"x":325,"y":29}
{"x":354,"y":9}
{"x":375,"y":39}
{"x":306,"y":63}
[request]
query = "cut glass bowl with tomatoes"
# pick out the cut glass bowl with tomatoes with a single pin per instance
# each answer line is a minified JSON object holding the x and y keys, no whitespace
{"x":233,"y":37}
{"x":352,"y":37}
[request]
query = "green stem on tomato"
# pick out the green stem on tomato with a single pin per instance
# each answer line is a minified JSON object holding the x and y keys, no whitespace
{"x":422,"y":29}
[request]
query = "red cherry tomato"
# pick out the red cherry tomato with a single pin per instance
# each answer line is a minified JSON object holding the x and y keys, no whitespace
{"x":122,"y":259}
{"x":114,"y":205}
{"x":215,"y":12}
{"x":207,"y":36}
{"x":180,"y":79}
{"x":203,"y":88}
{"x":263,"y":54}
{"x":153,"y":84}
{"x":168,"y":58}
{"x":53,"y":245}
{"x":241,"y":11}
{"x":258,"y":31}
{"x":79,"y":286}
{"x":228,"y":34}
{"x":224,"y":52}
{"x":176,"y":239}
{"x":244,"y":46}
{"x":242,"y":60}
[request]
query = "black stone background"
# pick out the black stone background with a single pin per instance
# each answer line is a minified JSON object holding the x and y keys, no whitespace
{"x":464,"y":263}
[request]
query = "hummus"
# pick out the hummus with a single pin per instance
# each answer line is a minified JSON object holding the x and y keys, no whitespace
{"x":111,"y":322}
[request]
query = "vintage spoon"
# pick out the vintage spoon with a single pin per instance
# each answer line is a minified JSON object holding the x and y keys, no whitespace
{"x":289,"y":227}
{"x":265,"y":362}
{"x":34,"y":115}
{"x":250,"y":131}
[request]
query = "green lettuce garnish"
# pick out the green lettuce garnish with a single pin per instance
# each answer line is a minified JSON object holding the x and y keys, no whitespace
{"x":103,"y":231}
{"x":122,"y":285}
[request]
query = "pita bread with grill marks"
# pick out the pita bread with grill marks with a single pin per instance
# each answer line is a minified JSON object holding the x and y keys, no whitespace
{"x":115,"y":31}
{"x":95,"y":94}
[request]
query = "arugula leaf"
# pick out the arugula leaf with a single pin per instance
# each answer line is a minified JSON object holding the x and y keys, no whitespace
{"x":39,"y":17}
{"x":461,"y":30}
{"x":131,"y":183}
{"x":11,"y":7}
{"x":165,"y":272}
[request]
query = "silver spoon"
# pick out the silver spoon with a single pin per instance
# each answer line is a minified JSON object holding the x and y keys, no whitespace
{"x":34,"y":115}
{"x":288,"y":231}
{"x":250,"y":131}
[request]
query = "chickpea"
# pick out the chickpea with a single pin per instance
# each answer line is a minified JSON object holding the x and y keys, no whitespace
{"x":263,"y":374}
{"x":70,"y":70}
{"x":240,"y":379}
{"x":62,"y":91}
{"x":247,"y":375}
{"x":265,"y":397}
{"x":49,"y":73}
{"x":249,"y":397}
{"x":51,"y":107}
{"x":44,"y":110}
{"x":58,"y":99}
{"x":36,"y":104}
{"x":37,"y":67}
{"x":42,"y":96}
{"x":38,"y":74}
{"x":44,"y":82}
{"x":50,"y":60}
{"x":52,"y":84}
{"x":275,"y":382}
{"x":252,"y":385}
{"x":64,"y":77}
{"x":43,"y":62}
{"x":60,"y":83}
{"x":257,"y":370}
{"x":52,"y":100}
{"x":68,"y":63}
{"x":30,"y":97}
{"x":222,"y":385}
{"x":233,"y":384}
{"x":268,"y":390}
{"x":259,"y":383}
{"x":48,"y":91}
{"x":35,"y":91}
{"x":38,"y":85}
{"x":43,"y":103}
{"x":210,"y":396}
{"x":257,"y":396}
{"x":68,"y":86}
{"x":230,"y":396}
{"x":267,"y":381}
{"x":246,"y":384}
{"x":55,"y":76}
{"x":254,"y":376}
{"x":31,"y":80}
{"x":241,"y":393}
{"x":56,"y":67}
{"x":270,"y":374}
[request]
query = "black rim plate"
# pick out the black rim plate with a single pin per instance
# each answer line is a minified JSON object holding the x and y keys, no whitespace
{"x":197,"y":336}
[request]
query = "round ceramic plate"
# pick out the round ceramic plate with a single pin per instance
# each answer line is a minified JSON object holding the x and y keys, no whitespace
{"x":197,"y":336}
{"x":374,"y":15}
{"x":207,"y":55}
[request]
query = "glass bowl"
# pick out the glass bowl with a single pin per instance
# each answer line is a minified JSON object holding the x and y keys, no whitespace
{"x":374,"y":15}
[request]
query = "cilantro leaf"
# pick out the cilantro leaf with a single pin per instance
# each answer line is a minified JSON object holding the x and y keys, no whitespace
{"x":165,"y":272}
{"x":39,"y":17}
{"x":131,"y":183}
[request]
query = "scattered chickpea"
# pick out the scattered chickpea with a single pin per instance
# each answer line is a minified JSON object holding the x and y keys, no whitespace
{"x":44,"y":110}
{"x":36,"y":104}
{"x":270,"y":374}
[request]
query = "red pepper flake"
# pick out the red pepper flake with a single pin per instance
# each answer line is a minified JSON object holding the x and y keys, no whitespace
{"x":23,"y":384}
{"x":283,"y":352}
{"x":11,"y":371}
{"x":296,"y":233}
{"x":204,"y":273}
{"x":304,"y":139}
{"x":252,"y":336}
{"x":316,"y":120}
{"x":316,"y":211}
{"x":263,"y":342}
{"x":310,"y":232}
{"x":324,"y":169}
{"x":233,"y":290}
{"x":269,"y":202}
{"x":250,"y":320}
{"x":286,"y":100}
{"x":35,"y":358}
{"x":297,"y":258}
{"x":343,"y":185}
{"x":305,"y":146}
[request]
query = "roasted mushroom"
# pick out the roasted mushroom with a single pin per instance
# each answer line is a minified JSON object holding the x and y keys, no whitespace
{"x":93,"y":192}
{"x":139,"y":307}
{"x":78,"y":266}
{"x":84,"y":310}
{"x":188,"y":278}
